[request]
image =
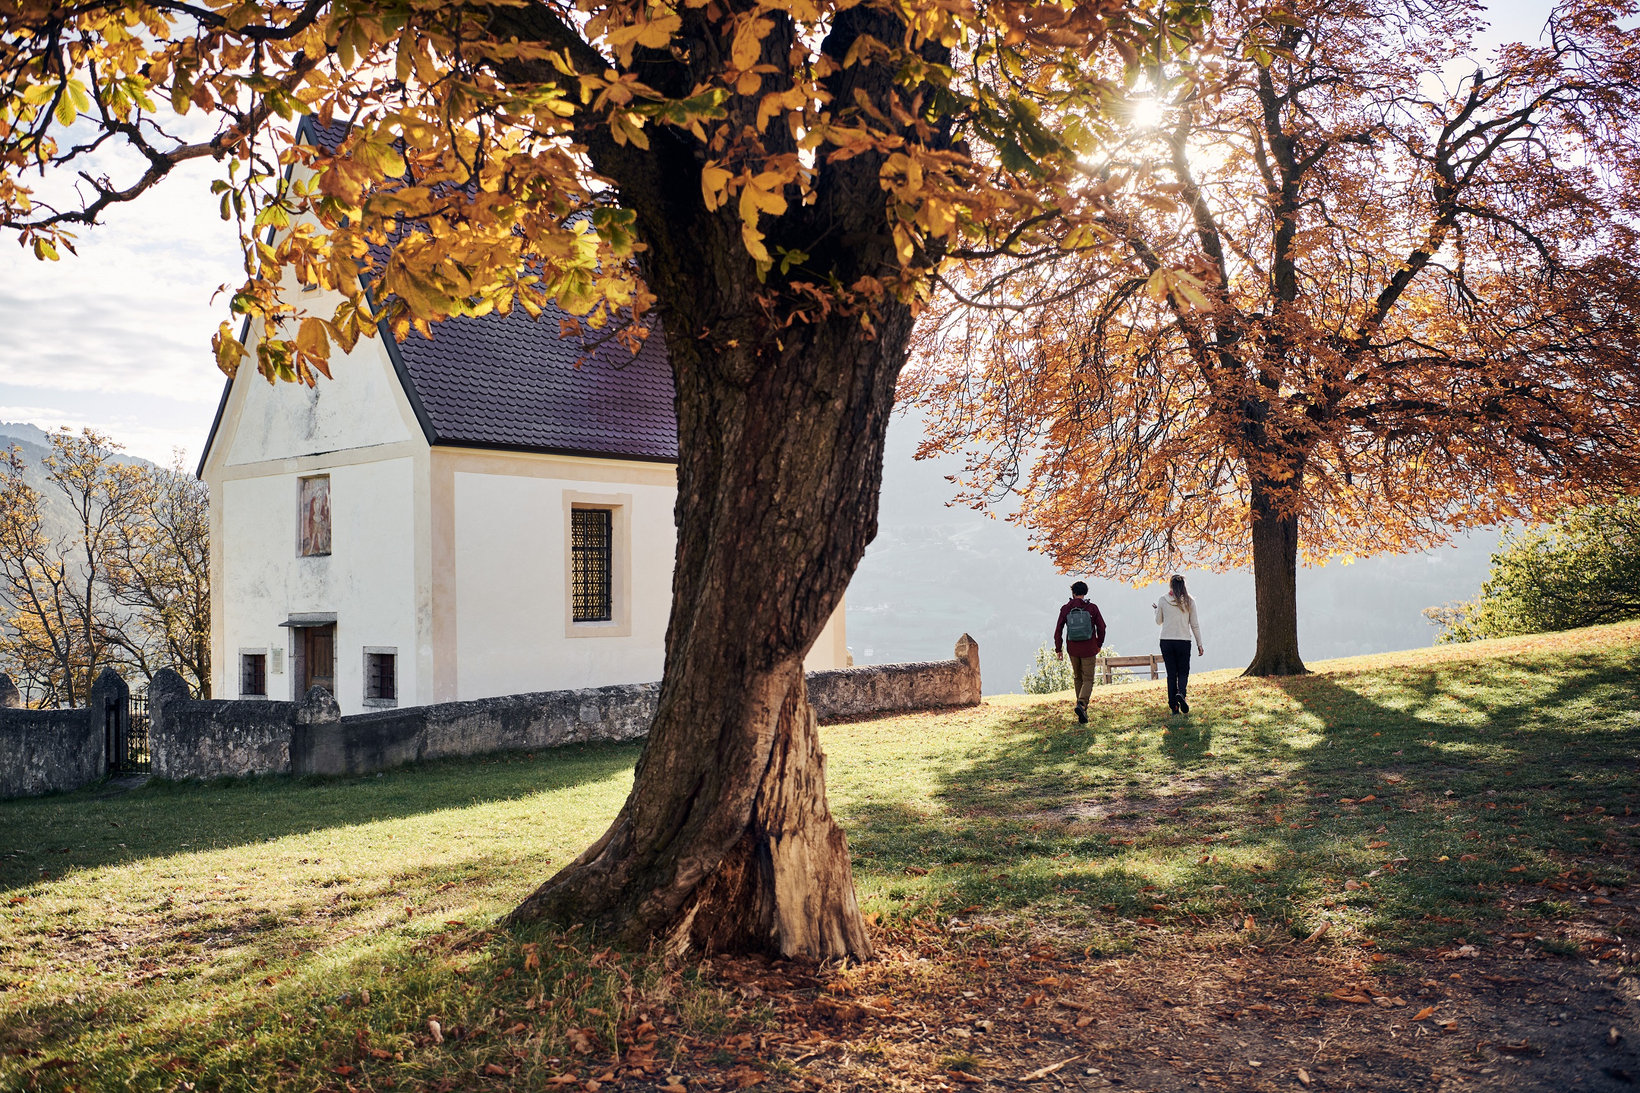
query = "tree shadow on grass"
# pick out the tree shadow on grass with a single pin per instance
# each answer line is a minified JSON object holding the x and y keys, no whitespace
{"x":1429,"y":790}
{"x":51,"y":836}
{"x":267,"y":978}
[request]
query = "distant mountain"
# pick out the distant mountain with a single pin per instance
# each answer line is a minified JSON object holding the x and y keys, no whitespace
{"x":34,"y":444}
{"x":23,"y":433}
{"x":935,"y":572}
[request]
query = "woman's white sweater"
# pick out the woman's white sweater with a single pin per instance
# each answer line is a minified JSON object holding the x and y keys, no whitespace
{"x":1178,"y":621}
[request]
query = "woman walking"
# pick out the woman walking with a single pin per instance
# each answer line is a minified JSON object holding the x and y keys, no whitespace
{"x":1176,"y":614}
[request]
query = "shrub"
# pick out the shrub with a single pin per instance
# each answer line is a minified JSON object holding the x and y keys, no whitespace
{"x":1049,"y":674}
{"x":1581,"y":570}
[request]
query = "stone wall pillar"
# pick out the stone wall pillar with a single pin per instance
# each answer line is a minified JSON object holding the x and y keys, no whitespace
{"x":109,"y":708}
{"x":167,"y":693}
{"x":10,"y":697}
{"x":317,"y":745}
{"x":967,"y":655}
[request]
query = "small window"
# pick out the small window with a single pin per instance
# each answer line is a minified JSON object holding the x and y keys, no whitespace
{"x":592,"y":542}
{"x":381,"y":677}
{"x":253,"y":675}
{"x":313,"y":516}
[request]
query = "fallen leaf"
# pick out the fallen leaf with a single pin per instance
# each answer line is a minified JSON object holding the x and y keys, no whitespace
{"x":435,"y":1030}
{"x":1318,"y":931}
{"x":1354,"y":997}
{"x":1377,"y":844}
{"x":494,"y":1071}
{"x":916,"y":870}
{"x":1303,"y":1077}
{"x":1425,"y":1012}
{"x":674,"y":1087}
{"x":744,"y":1077}
{"x":964,"y":1077}
{"x":1043,"y":1072}
{"x":1084,"y":1021}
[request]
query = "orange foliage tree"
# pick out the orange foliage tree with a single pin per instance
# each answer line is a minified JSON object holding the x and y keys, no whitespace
{"x":1368,"y":292}
{"x":769,"y":185}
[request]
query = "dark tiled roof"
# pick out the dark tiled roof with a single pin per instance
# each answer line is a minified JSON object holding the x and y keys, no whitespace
{"x":512,"y":382}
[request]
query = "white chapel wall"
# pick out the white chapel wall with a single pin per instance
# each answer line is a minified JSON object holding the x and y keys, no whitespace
{"x":511,"y":605}
{"x":362,"y":406}
{"x":507,"y":606}
{"x":369,"y":579}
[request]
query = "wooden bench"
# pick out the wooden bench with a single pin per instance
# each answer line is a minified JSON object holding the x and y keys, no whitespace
{"x":1153,"y":661}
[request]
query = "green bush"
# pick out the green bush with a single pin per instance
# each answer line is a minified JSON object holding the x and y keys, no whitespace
{"x":1049,"y":674}
{"x":1581,"y":570}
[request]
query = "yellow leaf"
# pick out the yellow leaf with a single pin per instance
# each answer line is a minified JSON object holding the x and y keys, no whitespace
{"x":656,"y":33}
{"x":714,"y":181}
{"x":311,"y":337}
{"x":754,"y":244}
{"x":748,"y":44}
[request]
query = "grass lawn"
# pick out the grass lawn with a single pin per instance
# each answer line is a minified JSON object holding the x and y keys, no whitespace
{"x":280,"y":934}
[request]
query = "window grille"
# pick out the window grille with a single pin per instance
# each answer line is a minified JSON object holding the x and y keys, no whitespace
{"x":253,"y":674}
{"x":591,"y":541}
{"x":381,"y":672}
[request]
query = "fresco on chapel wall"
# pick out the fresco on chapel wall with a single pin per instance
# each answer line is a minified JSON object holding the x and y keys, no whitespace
{"x":313,"y":516}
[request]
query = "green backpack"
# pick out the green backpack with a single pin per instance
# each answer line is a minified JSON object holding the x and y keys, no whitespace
{"x":1079,"y":624}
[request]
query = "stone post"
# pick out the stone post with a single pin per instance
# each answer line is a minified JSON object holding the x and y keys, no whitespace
{"x":316,"y":745}
{"x":967,"y":652}
{"x":167,"y":693}
{"x":109,"y":708}
{"x":10,"y":697}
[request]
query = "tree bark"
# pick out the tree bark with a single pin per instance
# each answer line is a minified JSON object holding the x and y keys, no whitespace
{"x":726,"y":841}
{"x":1275,"y":585}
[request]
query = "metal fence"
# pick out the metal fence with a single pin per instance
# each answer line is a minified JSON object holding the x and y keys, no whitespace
{"x":132,"y":755}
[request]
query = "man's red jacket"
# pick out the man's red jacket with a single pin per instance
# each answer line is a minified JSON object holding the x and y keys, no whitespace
{"x":1079,"y":648}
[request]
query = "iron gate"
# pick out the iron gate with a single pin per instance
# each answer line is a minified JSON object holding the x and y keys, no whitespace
{"x":128,"y":736}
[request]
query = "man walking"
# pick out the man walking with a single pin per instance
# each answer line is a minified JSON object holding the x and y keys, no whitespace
{"x":1082,"y":629}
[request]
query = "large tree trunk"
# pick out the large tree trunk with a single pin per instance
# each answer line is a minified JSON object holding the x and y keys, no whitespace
{"x":1275,"y":585}
{"x":726,"y":841}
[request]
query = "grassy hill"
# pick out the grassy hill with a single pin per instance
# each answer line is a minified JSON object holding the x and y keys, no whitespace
{"x":1358,"y":831}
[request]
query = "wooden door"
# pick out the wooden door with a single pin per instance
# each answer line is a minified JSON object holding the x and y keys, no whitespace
{"x":319,"y":658}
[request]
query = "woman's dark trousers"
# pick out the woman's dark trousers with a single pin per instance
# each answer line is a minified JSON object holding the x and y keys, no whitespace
{"x":1176,"y":655}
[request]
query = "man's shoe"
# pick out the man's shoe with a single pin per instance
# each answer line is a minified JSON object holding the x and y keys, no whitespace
{"x":1184,"y":707}
{"x":1172,"y":705}
{"x":1082,"y":714}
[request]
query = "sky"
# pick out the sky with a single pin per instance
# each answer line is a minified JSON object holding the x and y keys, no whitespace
{"x":117,"y":337}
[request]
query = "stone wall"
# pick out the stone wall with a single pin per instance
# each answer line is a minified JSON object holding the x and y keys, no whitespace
{"x":214,"y":738}
{"x":330,"y":744}
{"x":211,"y":738}
{"x":846,"y":693}
{"x":52,"y":751}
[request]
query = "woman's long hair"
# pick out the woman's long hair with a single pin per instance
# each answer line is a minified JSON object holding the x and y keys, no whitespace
{"x":1176,"y":589}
